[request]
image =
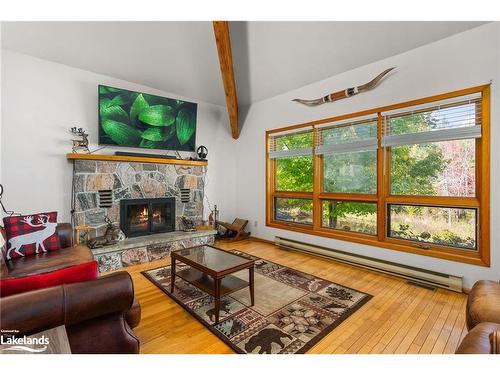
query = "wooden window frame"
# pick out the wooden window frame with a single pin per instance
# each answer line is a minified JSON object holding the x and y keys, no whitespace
{"x":383,"y":198}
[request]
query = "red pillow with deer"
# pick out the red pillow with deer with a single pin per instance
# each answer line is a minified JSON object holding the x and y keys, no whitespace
{"x":31,"y":234}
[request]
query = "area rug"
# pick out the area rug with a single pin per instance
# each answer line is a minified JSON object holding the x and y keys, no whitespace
{"x":293,"y":310}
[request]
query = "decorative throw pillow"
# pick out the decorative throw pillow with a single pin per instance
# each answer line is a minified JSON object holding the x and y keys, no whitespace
{"x":31,"y":234}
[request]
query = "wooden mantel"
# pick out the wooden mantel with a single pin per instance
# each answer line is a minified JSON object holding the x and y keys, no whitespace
{"x":135,"y":159}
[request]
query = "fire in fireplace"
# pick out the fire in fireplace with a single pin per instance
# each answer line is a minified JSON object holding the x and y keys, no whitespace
{"x":139,"y":217}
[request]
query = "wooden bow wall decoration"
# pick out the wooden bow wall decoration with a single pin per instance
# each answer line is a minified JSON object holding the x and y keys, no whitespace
{"x":351,"y":91}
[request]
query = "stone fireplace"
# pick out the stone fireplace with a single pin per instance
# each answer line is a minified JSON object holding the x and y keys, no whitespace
{"x":145,"y":195}
{"x":99,"y":186}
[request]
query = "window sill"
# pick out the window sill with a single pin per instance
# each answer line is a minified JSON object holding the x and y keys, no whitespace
{"x":441,"y":252}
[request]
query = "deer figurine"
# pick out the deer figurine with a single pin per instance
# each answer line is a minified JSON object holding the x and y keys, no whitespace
{"x":83,"y":143}
{"x":37,"y":237}
{"x":110,"y":236}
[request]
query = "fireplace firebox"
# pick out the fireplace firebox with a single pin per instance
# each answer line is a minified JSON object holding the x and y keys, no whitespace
{"x":139,"y":217}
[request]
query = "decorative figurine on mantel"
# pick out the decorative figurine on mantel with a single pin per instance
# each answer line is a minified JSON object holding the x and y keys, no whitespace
{"x":110,"y":237}
{"x":80,"y":144}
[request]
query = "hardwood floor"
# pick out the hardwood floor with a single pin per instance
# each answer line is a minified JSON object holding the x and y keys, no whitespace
{"x":400,"y":318}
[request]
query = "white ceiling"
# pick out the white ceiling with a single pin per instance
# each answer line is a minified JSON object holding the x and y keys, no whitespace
{"x":177,"y":57}
{"x":276,"y":57}
{"x":270,"y":58}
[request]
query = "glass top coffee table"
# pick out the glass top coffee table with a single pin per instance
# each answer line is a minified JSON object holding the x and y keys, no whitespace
{"x":211,"y":270}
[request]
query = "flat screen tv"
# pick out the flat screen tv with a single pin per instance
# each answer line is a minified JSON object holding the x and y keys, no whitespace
{"x":136,"y":119}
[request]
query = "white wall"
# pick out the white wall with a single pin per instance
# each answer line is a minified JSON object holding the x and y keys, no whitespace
{"x":461,"y":61}
{"x":41,"y":100}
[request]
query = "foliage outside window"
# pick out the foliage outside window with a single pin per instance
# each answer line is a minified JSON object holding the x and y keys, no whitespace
{"x":440,"y":168}
{"x":444,"y":226}
{"x":405,"y":178}
{"x":351,"y":172}
{"x":294,"y":174}
{"x":350,"y":216}
{"x":294,"y":210}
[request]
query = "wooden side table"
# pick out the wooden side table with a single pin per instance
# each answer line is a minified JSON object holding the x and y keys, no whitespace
{"x":211,"y":270}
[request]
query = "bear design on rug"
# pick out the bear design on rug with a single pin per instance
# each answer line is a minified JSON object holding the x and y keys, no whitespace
{"x":264,"y":339}
{"x":224,"y":306}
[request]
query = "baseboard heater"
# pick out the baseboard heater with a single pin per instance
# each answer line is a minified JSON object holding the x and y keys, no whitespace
{"x":418,"y":275}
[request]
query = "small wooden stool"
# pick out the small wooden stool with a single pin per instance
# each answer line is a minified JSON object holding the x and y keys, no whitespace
{"x":236,"y":229}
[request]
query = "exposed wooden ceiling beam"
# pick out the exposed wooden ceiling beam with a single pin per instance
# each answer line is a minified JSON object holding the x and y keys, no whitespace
{"x":221,"y":31}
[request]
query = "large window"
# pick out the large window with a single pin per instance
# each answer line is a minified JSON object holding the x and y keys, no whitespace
{"x":411,"y":176}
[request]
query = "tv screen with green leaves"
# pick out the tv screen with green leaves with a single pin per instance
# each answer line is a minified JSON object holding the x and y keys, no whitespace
{"x":135,"y":119}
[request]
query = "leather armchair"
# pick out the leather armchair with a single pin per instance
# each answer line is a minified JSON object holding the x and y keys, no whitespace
{"x":483,"y":319}
{"x":483,"y":303}
{"x":93,"y":312}
{"x":484,"y":338}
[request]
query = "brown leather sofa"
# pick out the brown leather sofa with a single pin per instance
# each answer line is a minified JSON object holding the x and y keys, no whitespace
{"x":94,"y":314}
{"x":98,"y":314}
{"x":68,"y":256}
{"x":483,"y":319}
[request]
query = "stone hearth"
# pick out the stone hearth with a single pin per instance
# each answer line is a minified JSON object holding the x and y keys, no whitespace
{"x":148,"y":248}
{"x":133,"y":180}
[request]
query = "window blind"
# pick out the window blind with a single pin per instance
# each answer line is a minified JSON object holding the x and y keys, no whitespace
{"x":291,"y":144}
{"x":352,"y":136}
{"x":452,"y":119}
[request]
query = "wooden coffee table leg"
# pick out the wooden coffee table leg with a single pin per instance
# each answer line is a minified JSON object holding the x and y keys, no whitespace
{"x":172,"y":276}
{"x":217,"y":299}
{"x":251,"y":282}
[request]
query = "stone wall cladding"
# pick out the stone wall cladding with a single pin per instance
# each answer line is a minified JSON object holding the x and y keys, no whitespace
{"x":142,"y":254}
{"x":109,"y":262}
{"x":133,"y":180}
